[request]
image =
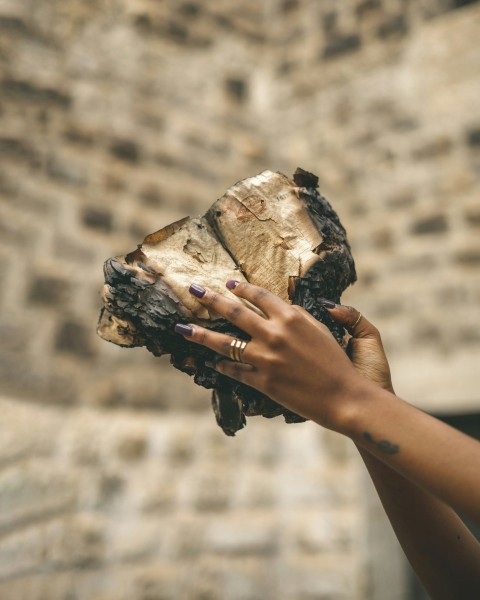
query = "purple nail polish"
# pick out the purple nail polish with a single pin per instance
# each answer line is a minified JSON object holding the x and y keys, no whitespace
{"x":209,"y":364}
{"x":232,"y":284}
{"x":185,"y":330}
{"x":197,"y":290}
{"x":327,"y":303}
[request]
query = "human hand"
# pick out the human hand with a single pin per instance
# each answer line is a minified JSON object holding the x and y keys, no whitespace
{"x":292,"y":358}
{"x":365,"y":347}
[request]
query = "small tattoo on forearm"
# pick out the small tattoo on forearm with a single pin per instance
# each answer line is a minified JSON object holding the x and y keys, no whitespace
{"x":383,"y":445}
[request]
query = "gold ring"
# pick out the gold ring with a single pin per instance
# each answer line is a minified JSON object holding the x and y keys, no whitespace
{"x":236,"y":349}
{"x":356,"y":322}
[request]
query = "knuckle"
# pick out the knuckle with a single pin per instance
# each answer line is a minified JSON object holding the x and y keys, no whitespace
{"x":259,"y":294}
{"x":324,"y":328}
{"x":352,"y":313}
{"x":234,"y":313}
{"x":275,"y":364}
{"x":291,"y":317}
{"x":212,"y":298}
{"x":352,"y":317}
{"x":201,"y":335}
{"x":270,"y":362}
{"x":275,"y":339}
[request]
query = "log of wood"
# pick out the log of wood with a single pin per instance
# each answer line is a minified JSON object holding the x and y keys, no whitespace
{"x":268,"y":230}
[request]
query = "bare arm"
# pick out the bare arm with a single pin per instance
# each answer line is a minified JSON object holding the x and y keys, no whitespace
{"x":420,"y":466}
{"x":433,"y":455}
{"x":441,"y":549}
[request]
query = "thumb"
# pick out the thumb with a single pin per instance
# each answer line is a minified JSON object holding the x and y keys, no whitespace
{"x":353,"y":321}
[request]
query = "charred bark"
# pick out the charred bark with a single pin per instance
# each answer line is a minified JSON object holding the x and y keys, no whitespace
{"x":269,"y":230}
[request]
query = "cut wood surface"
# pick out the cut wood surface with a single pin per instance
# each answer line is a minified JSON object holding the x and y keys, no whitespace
{"x":268,"y":230}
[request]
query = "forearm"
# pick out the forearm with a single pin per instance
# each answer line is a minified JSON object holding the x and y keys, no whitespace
{"x":440,"y":548}
{"x":429,"y":453}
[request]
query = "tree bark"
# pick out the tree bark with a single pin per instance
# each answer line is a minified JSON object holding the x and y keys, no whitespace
{"x":268,"y":230}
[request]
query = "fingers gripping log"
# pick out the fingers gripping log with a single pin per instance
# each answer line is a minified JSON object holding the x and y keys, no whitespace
{"x":269,"y":230}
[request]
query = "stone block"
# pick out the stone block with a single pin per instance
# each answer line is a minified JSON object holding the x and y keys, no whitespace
{"x":237,"y":89}
{"x":181,"y":451}
{"x":191,"y":10}
{"x":366,"y":7}
{"x":393,"y":26}
{"x":158,"y":581}
{"x":34,"y":490}
{"x":20,"y":90}
{"x":289,"y":6}
{"x":184,"y":540}
{"x":212,"y":492}
{"x":470,"y":257}
{"x":75,"y":339}
{"x":247,"y":534}
{"x":245,"y":580}
{"x":340,"y":45}
{"x":434,"y":224}
{"x":383,"y":239}
{"x":473,"y":137}
{"x":14,"y":148}
{"x":99,"y":219}
{"x":136,"y":541}
{"x":206,"y":581}
{"x":110,"y":487}
{"x":151,"y":195}
{"x":76,"y":135}
{"x":13,"y":25}
{"x":326,"y":532}
{"x":67,"y":542}
{"x":460,"y":3}
{"x":48,"y":290}
{"x":83,"y":541}
{"x":19,"y":440}
{"x":132,"y":446}
{"x":435,"y":148}
{"x":255,"y":490}
{"x":313,"y":580}
{"x":126,"y":150}
{"x":67,"y":171}
{"x":472,"y":216}
{"x":159,"y":495}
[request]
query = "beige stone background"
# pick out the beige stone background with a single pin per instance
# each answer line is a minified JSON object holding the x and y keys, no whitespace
{"x":120,"y":116}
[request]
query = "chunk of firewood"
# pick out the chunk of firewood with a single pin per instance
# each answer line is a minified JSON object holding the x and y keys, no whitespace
{"x":269,"y":230}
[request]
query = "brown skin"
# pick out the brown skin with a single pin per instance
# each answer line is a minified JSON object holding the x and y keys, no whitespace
{"x":286,"y":336}
{"x":440,"y":548}
{"x":423,"y":470}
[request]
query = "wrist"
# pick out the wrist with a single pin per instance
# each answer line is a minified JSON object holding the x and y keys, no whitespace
{"x":360,"y":400}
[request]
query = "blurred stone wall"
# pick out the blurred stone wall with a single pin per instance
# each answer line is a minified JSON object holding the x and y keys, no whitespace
{"x":120,"y":116}
{"x":384,"y":107}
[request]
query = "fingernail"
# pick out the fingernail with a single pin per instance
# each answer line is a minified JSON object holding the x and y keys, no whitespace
{"x":209,"y":364}
{"x":232,"y":284}
{"x":327,"y":303}
{"x":184,"y":329}
{"x":197,"y":290}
